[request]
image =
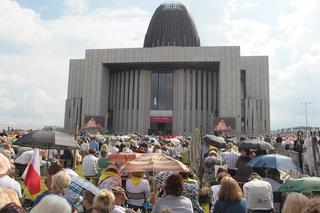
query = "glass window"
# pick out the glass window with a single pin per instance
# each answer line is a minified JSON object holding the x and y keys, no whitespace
{"x":161,"y":90}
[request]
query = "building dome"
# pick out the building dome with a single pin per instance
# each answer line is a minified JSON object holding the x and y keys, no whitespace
{"x":171,"y":25}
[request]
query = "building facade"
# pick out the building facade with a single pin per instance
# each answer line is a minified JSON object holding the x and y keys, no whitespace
{"x":170,"y":85}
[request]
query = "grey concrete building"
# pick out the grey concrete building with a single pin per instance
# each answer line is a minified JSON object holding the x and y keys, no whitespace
{"x":172,"y":84}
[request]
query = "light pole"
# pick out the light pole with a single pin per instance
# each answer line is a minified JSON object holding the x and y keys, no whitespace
{"x":306,"y":112}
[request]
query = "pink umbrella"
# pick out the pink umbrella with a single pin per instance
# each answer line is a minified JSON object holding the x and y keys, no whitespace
{"x":123,"y":157}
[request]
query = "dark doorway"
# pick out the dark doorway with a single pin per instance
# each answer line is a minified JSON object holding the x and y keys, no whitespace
{"x":160,"y":129}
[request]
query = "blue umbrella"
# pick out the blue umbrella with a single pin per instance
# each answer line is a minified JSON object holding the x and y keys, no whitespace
{"x":274,"y":161}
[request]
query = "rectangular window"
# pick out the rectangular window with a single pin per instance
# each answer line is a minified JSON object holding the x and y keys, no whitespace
{"x":161,"y":90}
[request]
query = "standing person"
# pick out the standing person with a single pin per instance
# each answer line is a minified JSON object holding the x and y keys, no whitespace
{"x":273,"y":177}
{"x":94,"y":144}
{"x":103,"y":162}
{"x":89,"y":164}
{"x":52,"y":204}
{"x":313,"y":206}
{"x":59,"y":185}
{"x":138,"y":191}
{"x":103,"y":202}
{"x":214,"y":190}
{"x":259,"y":194}
{"x":112,"y":146}
{"x":243,"y":170}
{"x":173,"y":201}
{"x":84,"y":147}
{"x":87,"y":201}
{"x":7,"y":181}
{"x":295,"y":203}
{"x":230,"y":157}
{"x":230,"y":198}
{"x":120,"y":199}
{"x":209,"y":167}
{"x":191,"y":190}
{"x":110,"y":178}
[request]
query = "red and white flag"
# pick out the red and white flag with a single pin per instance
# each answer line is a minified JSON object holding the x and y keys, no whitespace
{"x":31,"y":174}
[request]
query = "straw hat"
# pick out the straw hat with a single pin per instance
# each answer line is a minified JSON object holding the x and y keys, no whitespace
{"x":118,"y":190}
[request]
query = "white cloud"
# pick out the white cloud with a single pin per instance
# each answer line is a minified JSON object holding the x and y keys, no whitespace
{"x":36,"y":77}
{"x":76,"y":6}
{"x":19,"y":24}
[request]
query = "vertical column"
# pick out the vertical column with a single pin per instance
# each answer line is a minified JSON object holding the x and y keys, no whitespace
{"x":188,"y":109}
{"x":144,"y":100}
{"x":125,"y":105}
{"x":204,"y":101}
{"x":135,"y":101}
{"x":194,"y":119}
{"x":129,"y":107}
{"x":199,"y":116}
{"x":209,"y":101}
{"x":178,"y":94}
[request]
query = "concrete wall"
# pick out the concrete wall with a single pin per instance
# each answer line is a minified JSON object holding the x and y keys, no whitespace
{"x":90,"y":79}
{"x":257,"y":102}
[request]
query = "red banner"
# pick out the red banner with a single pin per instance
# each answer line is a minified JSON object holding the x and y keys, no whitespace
{"x":161,"y":119}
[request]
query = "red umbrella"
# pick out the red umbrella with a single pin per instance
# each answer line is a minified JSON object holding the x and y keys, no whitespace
{"x":123,"y":156}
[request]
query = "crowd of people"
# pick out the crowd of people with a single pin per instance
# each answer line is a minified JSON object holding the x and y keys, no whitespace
{"x":103,"y":187}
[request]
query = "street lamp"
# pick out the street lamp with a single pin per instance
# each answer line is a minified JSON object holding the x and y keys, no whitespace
{"x":306,"y":112}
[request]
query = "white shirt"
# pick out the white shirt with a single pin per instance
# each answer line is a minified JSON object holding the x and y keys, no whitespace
{"x":84,"y":147}
{"x":230,"y":158}
{"x":7,"y":182}
{"x":118,"y":209}
{"x":113,"y":149}
{"x":25,"y":157}
{"x":214,"y":194}
{"x":258,"y":194}
{"x":89,"y":165}
{"x":143,"y":186}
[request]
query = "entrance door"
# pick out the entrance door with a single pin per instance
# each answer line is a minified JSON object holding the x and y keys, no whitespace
{"x":160,"y":128}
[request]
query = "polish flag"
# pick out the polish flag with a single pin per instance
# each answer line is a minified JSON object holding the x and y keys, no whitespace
{"x":31,"y":175}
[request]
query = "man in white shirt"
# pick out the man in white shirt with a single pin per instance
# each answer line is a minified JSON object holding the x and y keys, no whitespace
{"x":230,"y":158}
{"x":89,"y":164}
{"x":258,"y":194}
{"x":25,"y":157}
{"x":112,"y":146}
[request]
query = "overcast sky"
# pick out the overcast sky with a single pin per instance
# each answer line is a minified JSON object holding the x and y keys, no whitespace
{"x":37,"y":39}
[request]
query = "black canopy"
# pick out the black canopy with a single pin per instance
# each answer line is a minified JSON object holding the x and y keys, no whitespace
{"x":255,"y":144}
{"x":216,"y":141}
{"x":47,"y":140}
